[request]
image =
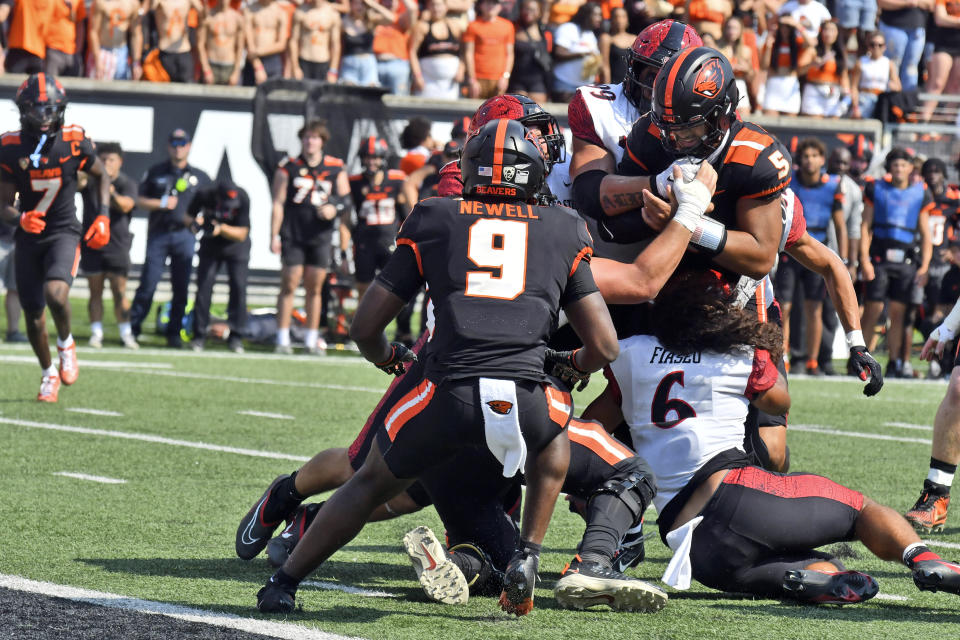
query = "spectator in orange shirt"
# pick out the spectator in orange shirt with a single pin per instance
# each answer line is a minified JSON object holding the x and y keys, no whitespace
{"x":27,"y":47}
{"x":418,"y":140}
{"x":488,"y":51}
{"x":61,"y":36}
{"x":390,"y":44}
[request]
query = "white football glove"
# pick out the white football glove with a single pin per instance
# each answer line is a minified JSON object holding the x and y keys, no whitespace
{"x":943,"y":334}
{"x":688,"y":166}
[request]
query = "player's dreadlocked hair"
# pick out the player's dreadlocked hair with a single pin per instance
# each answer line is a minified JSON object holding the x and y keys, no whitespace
{"x":695,"y":312}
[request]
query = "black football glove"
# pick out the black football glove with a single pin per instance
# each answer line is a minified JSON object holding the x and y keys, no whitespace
{"x":400,"y":355}
{"x":864,"y":366}
{"x":563,"y":365}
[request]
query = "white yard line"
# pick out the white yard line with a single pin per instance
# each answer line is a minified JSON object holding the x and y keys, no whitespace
{"x":83,"y":476}
{"x":96,"y":412}
{"x":937,"y":543}
{"x":907,"y":425}
{"x":817,"y":428}
{"x":356,"y":591}
{"x":96,"y":364}
{"x":265,"y":414}
{"x":287,"y":631}
{"x":890,"y":596}
{"x":144,"y":437}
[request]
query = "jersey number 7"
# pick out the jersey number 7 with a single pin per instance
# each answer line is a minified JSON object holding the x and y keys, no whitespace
{"x":500,"y":245}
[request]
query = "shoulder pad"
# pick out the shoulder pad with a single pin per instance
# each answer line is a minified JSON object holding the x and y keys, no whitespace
{"x":396,"y":174}
{"x":72,"y":132}
{"x":580,"y":120}
{"x":10,"y":137}
{"x":285,"y":161}
{"x":330,"y":161}
{"x":747,"y":145}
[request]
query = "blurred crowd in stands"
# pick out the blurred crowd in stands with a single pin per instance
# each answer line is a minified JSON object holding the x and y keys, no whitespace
{"x":793,"y":57}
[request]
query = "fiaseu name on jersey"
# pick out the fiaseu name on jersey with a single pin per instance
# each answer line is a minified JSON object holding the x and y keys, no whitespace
{"x":663,"y":356}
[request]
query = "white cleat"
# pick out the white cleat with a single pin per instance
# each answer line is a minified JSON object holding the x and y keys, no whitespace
{"x":440,"y":578}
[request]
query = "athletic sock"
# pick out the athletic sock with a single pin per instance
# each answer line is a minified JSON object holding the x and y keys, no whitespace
{"x":608,"y":519}
{"x":65,"y":344}
{"x":468,"y":563}
{"x":310,"y":338}
{"x":941,"y":473}
{"x":285,"y":581}
{"x":283,"y":336}
{"x":96,"y":328}
{"x":918,"y":552}
{"x":50,"y":371}
{"x":125,"y":328}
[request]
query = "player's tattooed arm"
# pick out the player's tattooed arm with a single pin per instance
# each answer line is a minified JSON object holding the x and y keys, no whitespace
{"x":618,"y":202}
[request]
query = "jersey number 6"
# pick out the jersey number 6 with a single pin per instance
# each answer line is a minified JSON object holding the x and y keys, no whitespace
{"x":663,"y":404}
{"x":497,"y":244}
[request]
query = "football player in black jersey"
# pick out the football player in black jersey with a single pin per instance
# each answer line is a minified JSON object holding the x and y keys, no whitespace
{"x":376,"y":194}
{"x":310,"y":192}
{"x":40,"y":162}
{"x":494,"y":264}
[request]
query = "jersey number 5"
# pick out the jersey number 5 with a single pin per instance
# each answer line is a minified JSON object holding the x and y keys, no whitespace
{"x":663,"y":404}
{"x":497,"y":244}
{"x":780,"y":163}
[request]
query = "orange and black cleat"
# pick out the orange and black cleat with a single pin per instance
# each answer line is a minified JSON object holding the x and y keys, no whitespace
{"x":49,"y":388}
{"x":929,"y":514}
{"x":69,"y":370}
{"x":519,"y":581}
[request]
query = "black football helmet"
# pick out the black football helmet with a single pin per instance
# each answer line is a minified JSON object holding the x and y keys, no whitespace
{"x":373,"y":147}
{"x":522,"y":109}
{"x":503,"y":160}
{"x":42,"y":103}
{"x":695,"y":87}
{"x":652,"y":47}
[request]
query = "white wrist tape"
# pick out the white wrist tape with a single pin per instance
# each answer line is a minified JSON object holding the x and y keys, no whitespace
{"x":943,"y":333}
{"x":855,"y":339}
{"x":952,"y":321}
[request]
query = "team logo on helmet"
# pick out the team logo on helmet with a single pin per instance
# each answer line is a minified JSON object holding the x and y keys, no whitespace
{"x":709,"y":80}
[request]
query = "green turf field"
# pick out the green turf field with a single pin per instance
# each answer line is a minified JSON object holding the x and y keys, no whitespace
{"x":193,"y":462}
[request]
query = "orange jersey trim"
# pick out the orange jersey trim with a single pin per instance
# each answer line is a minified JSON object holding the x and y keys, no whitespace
{"x":416,"y":252}
{"x":769,"y":191}
{"x":559,"y":405}
{"x":409,"y":406}
{"x":584,"y":253}
{"x":636,"y":159}
{"x":76,"y":262}
{"x":593,"y":436}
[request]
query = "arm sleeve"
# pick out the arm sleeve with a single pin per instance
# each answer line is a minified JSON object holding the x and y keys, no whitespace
{"x":400,"y":276}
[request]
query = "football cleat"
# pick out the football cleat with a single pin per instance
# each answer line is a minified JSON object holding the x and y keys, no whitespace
{"x":255,"y":530}
{"x":69,"y":370}
{"x":487,"y":580}
{"x":519,"y":581}
{"x":929,"y":514}
{"x":826,"y":587}
{"x":280,"y":547}
{"x":129,"y":342}
{"x":631,"y":551}
{"x":235,"y":344}
{"x":937,"y":575}
{"x":49,"y":388}
{"x":440,"y":578}
{"x":273,"y":598}
{"x":283,"y":349}
{"x":96,"y":341}
{"x":587,"y":584}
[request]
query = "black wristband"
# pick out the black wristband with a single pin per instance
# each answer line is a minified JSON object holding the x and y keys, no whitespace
{"x":530,"y":547}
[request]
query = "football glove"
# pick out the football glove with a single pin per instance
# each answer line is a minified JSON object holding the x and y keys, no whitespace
{"x":864,"y":366}
{"x":400,"y":355}
{"x":563,"y":365}
{"x":98,"y":235}
{"x":32,"y":221}
{"x":689,"y":167}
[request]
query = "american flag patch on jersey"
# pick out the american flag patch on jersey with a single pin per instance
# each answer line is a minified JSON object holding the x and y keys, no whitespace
{"x":485,"y":171}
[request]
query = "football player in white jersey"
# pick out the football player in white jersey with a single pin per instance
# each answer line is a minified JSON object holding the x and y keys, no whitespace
{"x":684,"y":391}
{"x":601,"y":116}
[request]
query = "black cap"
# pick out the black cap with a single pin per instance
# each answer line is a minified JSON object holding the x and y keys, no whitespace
{"x":452,"y":148}
{"x":228,"y":193}
{"x":179,"y":134}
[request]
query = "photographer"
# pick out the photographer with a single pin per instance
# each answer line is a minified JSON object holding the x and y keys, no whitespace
{"x":222,"y":212}
{"x":165,"y":191}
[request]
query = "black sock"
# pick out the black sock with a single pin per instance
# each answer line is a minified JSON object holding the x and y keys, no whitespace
{"x":283,"y":500}
{"x":469,"y":564}
{"x":946,"y":467}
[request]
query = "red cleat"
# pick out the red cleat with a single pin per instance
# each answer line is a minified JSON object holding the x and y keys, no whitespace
{"x":69,"y":371}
